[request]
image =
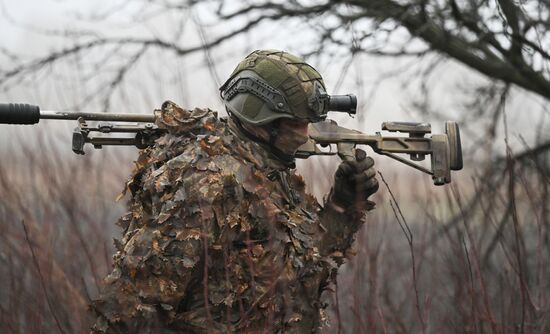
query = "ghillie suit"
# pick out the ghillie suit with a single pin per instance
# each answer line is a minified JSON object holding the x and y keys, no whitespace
{"x":220,"y":237}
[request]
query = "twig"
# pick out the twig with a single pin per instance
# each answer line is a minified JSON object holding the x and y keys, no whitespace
{"x":205,"y":276}
{"x":515,"y":219}
{"x":408,"y":234}
{"x":42,"y":281}
{"x":337,"y":302}
{"x":472,"y":291}
{"x":476,"y":257}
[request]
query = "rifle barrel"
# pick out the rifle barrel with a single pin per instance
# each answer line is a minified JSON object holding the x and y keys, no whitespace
{"x":18,"y":113}
{"x":105,"y":117}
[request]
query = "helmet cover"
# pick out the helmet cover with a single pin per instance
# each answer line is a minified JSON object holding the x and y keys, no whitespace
{"x":270,"y":84}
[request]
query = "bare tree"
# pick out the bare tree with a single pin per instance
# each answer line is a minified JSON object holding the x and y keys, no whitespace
{"x":504,"y":40}
{"x":488,"y":245}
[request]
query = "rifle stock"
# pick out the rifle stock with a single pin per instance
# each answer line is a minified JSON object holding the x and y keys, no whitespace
{"x":444,"y":150}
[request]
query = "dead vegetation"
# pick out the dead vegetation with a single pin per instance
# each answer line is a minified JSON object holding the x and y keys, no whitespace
{"x":458,"y":259}
{"x":470,"y":257}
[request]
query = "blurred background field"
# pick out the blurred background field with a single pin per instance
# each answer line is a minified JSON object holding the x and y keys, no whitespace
{"x":470,"y":257}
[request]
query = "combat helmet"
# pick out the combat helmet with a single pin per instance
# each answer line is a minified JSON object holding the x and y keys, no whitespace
{"x":270,"y":84}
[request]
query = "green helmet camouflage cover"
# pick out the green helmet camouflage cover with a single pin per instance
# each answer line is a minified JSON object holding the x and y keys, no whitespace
{"x":270,"y":84}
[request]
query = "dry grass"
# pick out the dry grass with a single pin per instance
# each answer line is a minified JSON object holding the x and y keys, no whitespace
{"x":56,"y":228}
{"x":475,"y":259}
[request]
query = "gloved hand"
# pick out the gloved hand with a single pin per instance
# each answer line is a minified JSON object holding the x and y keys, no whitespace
{"x":354,"y":182}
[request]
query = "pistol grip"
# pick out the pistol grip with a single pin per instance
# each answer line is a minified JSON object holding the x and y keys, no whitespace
{"x":346,"y":151}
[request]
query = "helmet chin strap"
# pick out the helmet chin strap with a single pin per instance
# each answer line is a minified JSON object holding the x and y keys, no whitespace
{"x":285,"y":158}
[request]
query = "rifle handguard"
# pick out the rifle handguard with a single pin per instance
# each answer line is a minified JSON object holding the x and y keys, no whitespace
{"x":15,"y":113}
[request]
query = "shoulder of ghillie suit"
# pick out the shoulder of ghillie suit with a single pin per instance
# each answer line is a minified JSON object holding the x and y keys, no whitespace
{"x":201,"y":134}
{"x":180,"y":121}
{"x":192,"y":139}
{"x":198,"y":149}
{"x":199,"y":130}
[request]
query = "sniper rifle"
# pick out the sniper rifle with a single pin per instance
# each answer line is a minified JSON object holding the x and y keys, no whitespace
{"x":445,"y":150}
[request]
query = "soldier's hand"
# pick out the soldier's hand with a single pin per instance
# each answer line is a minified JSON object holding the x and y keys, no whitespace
{"x":354,"y":182}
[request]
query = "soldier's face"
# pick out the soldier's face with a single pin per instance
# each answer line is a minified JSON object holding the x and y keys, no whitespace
{"x":291,"y":135}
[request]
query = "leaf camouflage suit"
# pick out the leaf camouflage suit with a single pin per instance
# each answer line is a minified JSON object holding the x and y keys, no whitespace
{"x":220,"y":237}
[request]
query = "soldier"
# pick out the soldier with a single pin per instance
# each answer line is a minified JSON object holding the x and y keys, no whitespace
{"x":220,"y":235}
